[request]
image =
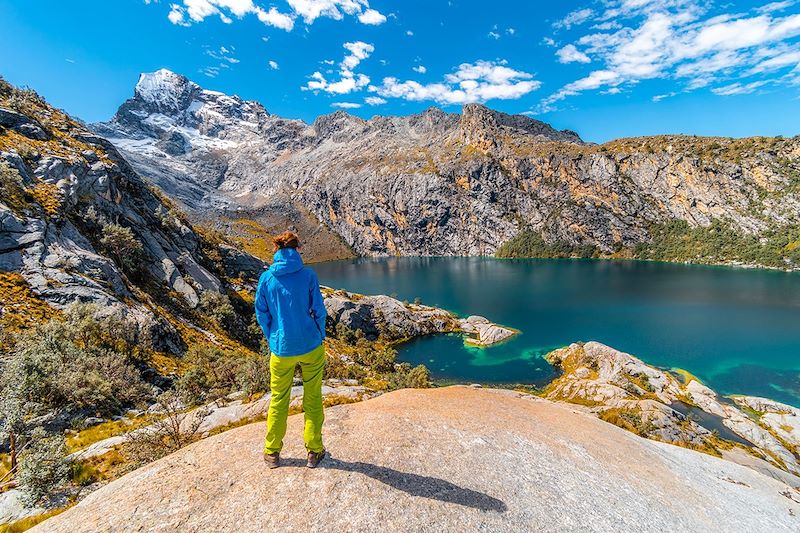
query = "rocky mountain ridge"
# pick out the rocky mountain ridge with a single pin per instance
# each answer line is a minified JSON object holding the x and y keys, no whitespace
{"x":439,"y":183}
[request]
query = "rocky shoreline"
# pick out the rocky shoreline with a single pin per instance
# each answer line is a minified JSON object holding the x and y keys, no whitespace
{"x":621,"y":389}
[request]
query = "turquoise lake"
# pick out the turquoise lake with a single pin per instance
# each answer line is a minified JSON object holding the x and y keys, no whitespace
{"x":738,"y":330}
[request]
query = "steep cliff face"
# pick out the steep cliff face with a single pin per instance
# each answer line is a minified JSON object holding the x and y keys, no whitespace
{"x":78,"y":224}
{"x":446,"y":184}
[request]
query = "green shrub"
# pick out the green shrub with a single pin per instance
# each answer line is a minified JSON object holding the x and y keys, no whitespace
{"x":406,"y":377}
{"x":218,"y":307}
{"x":215,"y":373}
{"x":720,"y":242}
{"x":59,"y":365}
{"x":338,"y":368}
{"x":380,"y":360}
{"x":253,"y":375}
{"x":529,"y":243}
{"x":12,"y":190}
{"x":345,"y":334}
{"x":121,"y":244}
{"x":174,"y":429}
{"x":44,"y":468}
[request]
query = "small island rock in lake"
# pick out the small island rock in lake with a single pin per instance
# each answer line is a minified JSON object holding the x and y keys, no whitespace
{"x":485,"y":332}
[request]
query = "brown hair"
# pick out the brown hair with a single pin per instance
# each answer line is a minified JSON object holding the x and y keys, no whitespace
{"x":287,"y":239}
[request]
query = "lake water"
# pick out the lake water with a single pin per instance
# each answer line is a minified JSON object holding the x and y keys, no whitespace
{"x":737,"y":330}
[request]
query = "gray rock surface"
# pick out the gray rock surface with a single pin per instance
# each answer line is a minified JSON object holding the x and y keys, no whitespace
{"x":22,"y":124}
{"x":452,"y":459}
{"x":13,"y":508}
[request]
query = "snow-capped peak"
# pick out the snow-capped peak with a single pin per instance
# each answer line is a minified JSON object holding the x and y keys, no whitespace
{"x":165,"y":90}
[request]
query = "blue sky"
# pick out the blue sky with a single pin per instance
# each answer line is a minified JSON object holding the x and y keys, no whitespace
{"x":604,"y":68}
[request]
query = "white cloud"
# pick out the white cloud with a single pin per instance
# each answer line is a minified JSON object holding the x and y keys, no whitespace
{"x":738,"y":88}
{"x":595,"y":80}
{"x":477,"y":82}
{"x":198,"y":10}
{"x":223,"y":54}
{"x":346,"y":105}
{"x":195,"y":11}
{"x":420,"y":68}
{"x":496,"y":32}
{"x":374,"y":100}
{"x":371,"y":17}
{"x":409,"y":33}
{"x":689,"y":41}
{"x":176,"y":15}
{"x":776,"y":6}
{"x":310,"y":10}
{"x":275,"y":18}
{"x":211,"y":72}
{"x":350,"y":81}
{"x":273,"y":65}
{"x":608,"y":25}
{"x":570,"y":54}
{"x":575,"y":18}
{"x":778,"y":61}
{"x":659,"y":97}
{"x":359,"y":51}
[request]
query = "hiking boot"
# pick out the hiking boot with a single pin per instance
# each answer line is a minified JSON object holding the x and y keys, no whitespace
{"x":273,"y":460}
{"x":314,"y":458}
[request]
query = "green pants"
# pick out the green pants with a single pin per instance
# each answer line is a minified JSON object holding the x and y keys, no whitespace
{"x":282,"y":375}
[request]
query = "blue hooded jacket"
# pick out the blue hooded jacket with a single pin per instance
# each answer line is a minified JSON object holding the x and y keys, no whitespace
{"x":289,"y":306}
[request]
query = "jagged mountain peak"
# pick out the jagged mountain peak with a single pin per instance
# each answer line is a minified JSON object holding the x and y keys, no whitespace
{"x":164,"y":101}
{"x":165,"y":91}
{"x":479,"y":120}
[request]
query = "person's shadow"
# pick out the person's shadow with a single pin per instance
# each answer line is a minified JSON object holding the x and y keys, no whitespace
{"x":414,"y":484}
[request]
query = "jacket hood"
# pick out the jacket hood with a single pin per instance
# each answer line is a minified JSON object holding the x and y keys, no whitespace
{"x":286,"y":261}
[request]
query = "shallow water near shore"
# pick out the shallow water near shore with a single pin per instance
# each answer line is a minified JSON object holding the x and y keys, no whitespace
{"x":738,"y":330}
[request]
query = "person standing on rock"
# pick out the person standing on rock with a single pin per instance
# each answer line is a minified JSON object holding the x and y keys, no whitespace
{"x":291,"y":313}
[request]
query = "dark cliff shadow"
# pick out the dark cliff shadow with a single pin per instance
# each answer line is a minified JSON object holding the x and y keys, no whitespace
{"x":413,"y":484}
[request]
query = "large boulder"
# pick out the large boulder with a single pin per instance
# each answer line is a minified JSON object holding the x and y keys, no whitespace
{"x":22,"y":124}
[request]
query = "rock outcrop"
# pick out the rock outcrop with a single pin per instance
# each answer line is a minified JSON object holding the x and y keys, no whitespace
{"x":393,"y":320}
{"x":653,"y":403}
{"x":451,"y":459}
{"x":385,"y":316}
{"x":439,"y":183}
